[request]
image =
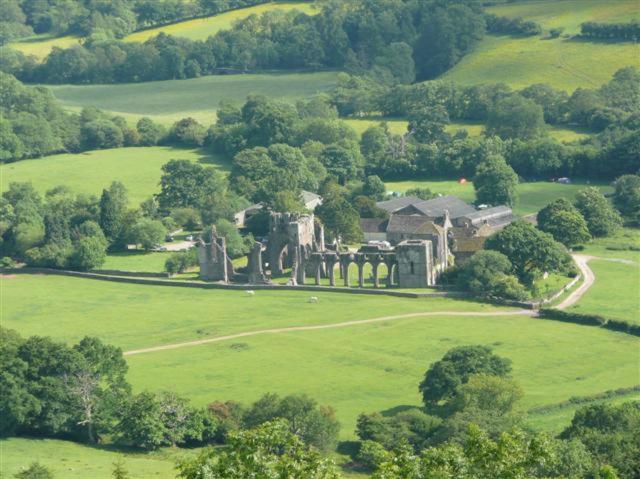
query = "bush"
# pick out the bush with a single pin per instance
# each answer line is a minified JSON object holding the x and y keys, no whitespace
{"x":180,"y":262}
{"x":371,"y":455}
{"x":7,"y":262}
{"x":577,"y":318}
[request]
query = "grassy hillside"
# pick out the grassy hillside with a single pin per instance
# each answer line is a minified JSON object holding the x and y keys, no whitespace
{"x":473,"y":129}
{"x":532,"y":196}
{"x":166,"y":315}
{"x":563,"y":62}
{"x":202,"y":28}
{"x":168,"y":101}
{"x":41,"y":45}
{"x":68,"y":460}
{"x":137,"y":168}
{"x":615,"y":292}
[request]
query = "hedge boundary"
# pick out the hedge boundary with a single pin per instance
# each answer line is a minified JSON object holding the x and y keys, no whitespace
{"x":590,"y":320}
{"x":578,"y":400}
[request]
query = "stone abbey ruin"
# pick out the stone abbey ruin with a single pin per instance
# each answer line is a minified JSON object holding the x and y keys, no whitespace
{"x":416,"y":244}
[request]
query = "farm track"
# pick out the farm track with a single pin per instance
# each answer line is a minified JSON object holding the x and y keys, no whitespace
{"x":523,"y":312}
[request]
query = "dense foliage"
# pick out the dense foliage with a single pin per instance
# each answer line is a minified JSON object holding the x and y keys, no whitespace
{"x":21,"y":18}
{"x":611,"y":31}
{"x":33,"y":124}
{"x":394,"y":40}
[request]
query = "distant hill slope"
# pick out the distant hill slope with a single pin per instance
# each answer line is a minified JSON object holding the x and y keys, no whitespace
{"x":171,"y":100}
{"x":202,"y":28}
{"x":197,"y":29}
{"x":563,"y":62}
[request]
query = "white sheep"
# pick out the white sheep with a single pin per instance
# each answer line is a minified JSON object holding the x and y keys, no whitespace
{"x":313,"y":299}
{"x":250,"y":292}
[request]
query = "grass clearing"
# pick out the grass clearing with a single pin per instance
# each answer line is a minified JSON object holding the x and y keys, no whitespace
{"x":146,"y":261}
{"x":69,"y":460}
{"x":138,"y":316}
{"x":615,"y":293}
{"x":563,"y":63}
{"x":138,"y":168}
{"x":532,"y":196}
{"x":399,"y":127}
{"x":41,"y":45}
{"x":624,"y":244}
{"x":375,"y":367}
{"x":203,"y":28}
{"x":171,"y":100}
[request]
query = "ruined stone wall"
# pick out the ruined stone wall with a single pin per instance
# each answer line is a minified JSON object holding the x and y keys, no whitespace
{"x":415,"y":264}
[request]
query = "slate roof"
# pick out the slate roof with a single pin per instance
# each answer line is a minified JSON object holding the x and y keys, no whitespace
{"x":437,"y":207}
{"x":412,"y":225}
{"x":373,"y":225}
{"x":308,"y":197}
{"x":488,"y":214}
{"x":397,"y":203}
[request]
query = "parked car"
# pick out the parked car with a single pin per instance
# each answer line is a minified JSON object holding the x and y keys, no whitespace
{"x":168,"y":238}
{"x":189,"y":238}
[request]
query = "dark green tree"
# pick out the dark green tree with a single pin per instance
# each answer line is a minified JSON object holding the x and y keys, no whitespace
{"x":627,"y":197}
{"x":270,"y":450}
{"x":488,"y":273}
{"x":187,"y":184}
{"x":428,"y":123}
{"x":340,"y":219}
{"x":147,"y":233}
{"x":113,"y":206}
{"x":495,"y":182}
{"x":564,"y":222}
{"x":515,"y":117}
{"x":444,"y":377}
{"x":531,"y":251}
{"x":602,"y":219}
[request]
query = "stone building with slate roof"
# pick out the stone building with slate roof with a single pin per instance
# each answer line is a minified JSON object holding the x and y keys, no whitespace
{"x":450,"y":224}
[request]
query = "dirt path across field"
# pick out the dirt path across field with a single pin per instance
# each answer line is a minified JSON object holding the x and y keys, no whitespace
{"x":524,"y":312}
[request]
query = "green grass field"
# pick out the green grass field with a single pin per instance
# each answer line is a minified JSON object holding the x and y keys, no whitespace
{"x":615,"y":293}
{"x":624,"y":244}
{"x":563,"y":63}
{"x":151,"y":262}
{"x":532,"y":196}
{"x":203,"y":28}
{"x":137,"y":168}
{"x":358,"y":368}
{"x":133,"y":316}
{"x":41,"y":45}
{"x":378,"y":366}
{"x":172,"y":100}
{"x":399,"y":127}
{"x":68,"y":460}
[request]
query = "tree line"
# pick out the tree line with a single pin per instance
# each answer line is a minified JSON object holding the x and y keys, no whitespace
{"x":498,"y":25}
{"x":101,"y":20}
{"x":397,"y":40}
{"x":626,"y":32}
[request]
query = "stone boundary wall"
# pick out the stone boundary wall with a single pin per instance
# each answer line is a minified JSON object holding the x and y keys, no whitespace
{"x":241,"y":287}
{"x":128,"y":277}
{"x":135,"y":274}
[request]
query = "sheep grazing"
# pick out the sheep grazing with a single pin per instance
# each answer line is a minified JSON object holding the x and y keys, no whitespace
{"x":250,"y":292}
{"x":313,"y":299}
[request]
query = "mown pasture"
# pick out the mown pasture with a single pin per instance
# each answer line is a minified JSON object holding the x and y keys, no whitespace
{"x":139,"y":169}
{"x":171,"y":100}
{"x":616,"y":291}
{"x":134,"y":316}
{"x":203,"y":28}
{"x":40,"y":46}
{"x":357,"y":368}
{"x":399,"y":127}
{"x":565,"y":62}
